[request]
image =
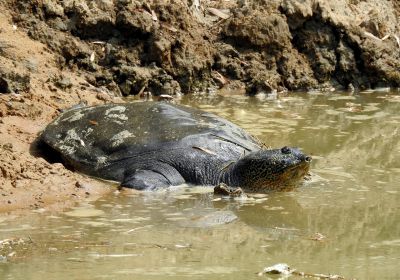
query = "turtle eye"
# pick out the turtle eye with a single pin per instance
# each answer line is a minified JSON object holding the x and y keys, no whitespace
{"x":285,"y":150}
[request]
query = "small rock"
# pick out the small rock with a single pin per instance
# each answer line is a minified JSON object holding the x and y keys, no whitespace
{"x":12,"y":82}
{"x":52,"y":8}
{"x":103,"y":96}
{"x":63,"y":83}
{"x":8,"y":147}
{"x":31,"y":65}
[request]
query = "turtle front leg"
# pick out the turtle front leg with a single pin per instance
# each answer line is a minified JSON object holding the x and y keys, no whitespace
{"x":149,"y":180}
{"x":225,"y":190}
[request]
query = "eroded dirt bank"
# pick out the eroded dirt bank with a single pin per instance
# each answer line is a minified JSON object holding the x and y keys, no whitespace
{"x":54,"y":54}
{"x":40,"y":91}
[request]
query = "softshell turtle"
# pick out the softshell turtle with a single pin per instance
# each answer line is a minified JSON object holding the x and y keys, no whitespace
{"x":150,"y":145}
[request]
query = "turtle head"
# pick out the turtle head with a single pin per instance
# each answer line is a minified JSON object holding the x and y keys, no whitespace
{"x":268,"y":170}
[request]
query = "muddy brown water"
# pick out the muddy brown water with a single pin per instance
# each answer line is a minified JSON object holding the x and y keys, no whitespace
{"x":351,"y":203}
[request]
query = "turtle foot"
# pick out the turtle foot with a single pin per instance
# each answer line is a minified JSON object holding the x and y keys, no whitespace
{"x":223,"y":189}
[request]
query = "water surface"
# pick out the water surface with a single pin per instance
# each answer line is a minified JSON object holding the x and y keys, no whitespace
{"x":352,"y":201}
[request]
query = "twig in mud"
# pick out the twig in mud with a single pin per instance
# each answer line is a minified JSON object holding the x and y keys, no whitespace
{"x":385,"y":37}
{"x":397,"y":40}
{"x":372,"y":36}
{"x":218,"y":13}
{"x":99,"y":43}
{"x":218,"y":23}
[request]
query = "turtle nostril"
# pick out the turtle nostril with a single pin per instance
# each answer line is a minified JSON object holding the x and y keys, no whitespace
{"x":285,"y":150}
{"x":308,"y":159}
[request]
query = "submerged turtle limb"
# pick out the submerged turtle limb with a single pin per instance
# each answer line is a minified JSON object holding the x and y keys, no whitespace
{"x":145,"y":180}
{"x":158,"y":176}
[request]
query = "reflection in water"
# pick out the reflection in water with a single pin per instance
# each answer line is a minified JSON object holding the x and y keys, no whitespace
{"x":352,"y":199}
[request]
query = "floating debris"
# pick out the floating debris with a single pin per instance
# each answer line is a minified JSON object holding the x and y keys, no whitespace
{"x":284,"y":269}
{"x":10,"y":242}
{"x":97,"y":256}
{"x":182,"y":246}
{"x":318,"y":237}
{"x":280,"y":268}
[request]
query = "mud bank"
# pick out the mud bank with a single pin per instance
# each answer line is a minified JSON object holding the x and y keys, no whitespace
{"x":166,"y":47}
{"x":55,"y":54}
{"x":33,"y":91}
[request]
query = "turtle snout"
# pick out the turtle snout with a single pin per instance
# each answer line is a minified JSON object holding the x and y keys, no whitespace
{"x":296,"y":153}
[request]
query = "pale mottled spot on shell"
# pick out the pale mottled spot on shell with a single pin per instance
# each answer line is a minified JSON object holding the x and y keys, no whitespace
{"x":118,"y":139}
{"x":121,"y":117}
{"x":75,"y":117}
{"x":70,"y":142}
{"x":73,"y":136}
{"x":117,"y":109}
{"x":67,"y":149}
{"x":87,"y":132}
{"x":101,"y":160}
